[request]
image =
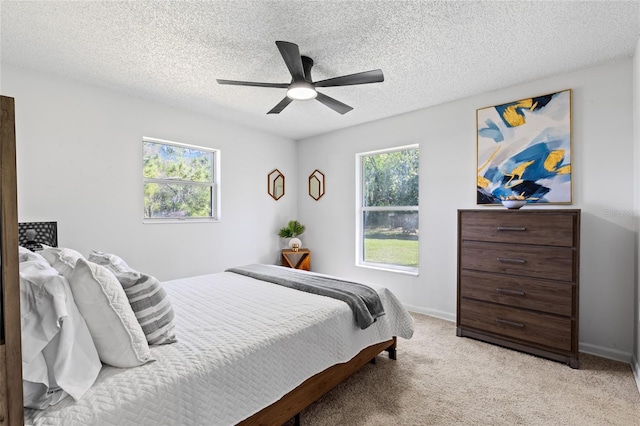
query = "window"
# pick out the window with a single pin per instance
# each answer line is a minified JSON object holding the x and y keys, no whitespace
{"x":180,"y":181}
{"x":387,"y":217}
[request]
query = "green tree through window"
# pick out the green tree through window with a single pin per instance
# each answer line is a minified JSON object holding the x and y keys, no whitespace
{"x":388,"y":217}
{"x":178,"y":181}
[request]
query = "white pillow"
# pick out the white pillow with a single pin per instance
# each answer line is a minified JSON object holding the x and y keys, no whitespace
{"x":63,"y":260}
{"x":113,"y":325}
{"x":24,"y":254}
{"x":123,"y":272}
{"x":59,"y":357}
{"x":147,"y":298}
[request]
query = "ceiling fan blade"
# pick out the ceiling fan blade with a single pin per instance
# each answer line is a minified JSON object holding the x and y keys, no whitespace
{"x":373,"y":76}
{"x":253,"y":83}
{"x":291,"y":55}
{"x":333,"y":104}
{"x":282,"y":105}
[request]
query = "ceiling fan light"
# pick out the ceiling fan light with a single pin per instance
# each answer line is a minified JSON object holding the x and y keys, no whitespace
{"x":301,"y":91}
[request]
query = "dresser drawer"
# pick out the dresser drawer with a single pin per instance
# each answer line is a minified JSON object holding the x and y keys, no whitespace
{"x":542,"y":329}
{"x":521,"y":292}
{"x":554,"y":229}
{"x":555,"y":263}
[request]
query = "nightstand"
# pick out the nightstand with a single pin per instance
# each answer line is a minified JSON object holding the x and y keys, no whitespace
{"x":300,"y":259}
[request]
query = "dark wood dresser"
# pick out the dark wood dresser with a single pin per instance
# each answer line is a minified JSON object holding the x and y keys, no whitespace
{"x":518,"y":280}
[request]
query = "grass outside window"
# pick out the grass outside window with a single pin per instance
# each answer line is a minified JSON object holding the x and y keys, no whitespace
{"x":391,"y":248}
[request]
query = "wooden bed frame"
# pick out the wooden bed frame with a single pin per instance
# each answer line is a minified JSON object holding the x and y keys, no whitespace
{"x":11,"y":402}
{"x":314,"y":387}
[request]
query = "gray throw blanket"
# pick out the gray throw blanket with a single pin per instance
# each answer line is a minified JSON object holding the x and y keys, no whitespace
{"x":363,"y":300}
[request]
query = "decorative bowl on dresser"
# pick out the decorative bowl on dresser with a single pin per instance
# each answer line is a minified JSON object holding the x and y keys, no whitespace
{"x":518,"y":280}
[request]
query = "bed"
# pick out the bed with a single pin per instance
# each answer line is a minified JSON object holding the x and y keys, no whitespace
{"x":247,"y":352}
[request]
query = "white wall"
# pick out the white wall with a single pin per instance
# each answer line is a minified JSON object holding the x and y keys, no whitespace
{"x":79,"y":156}
{"x":603,"y":183}
{"x":79,"y":160}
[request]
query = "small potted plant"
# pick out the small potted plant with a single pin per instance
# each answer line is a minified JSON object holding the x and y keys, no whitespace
{"x":292,"y":230}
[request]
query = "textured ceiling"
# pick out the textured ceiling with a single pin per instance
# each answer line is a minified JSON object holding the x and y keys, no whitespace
{"x":431,"y":52}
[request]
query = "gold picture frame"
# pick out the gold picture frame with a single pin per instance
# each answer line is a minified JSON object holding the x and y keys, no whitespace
{"x":524,"y":149}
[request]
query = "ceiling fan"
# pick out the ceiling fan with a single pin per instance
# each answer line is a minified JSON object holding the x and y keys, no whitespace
{"x":302,"y":87}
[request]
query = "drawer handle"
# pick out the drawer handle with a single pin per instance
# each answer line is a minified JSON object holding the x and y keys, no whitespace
{"x":510,"y":260}
{"x":512,"y":292}
{"x":511,"y":228}
{"x":512,"y":323}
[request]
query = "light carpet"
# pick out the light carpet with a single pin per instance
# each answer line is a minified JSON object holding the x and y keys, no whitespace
{"x":442,"y":379}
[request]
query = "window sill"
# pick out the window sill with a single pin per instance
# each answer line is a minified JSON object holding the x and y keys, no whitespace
{"x":196,"y":220}
{"x":398,"y":270}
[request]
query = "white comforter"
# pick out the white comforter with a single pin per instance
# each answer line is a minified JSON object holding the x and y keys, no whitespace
{"x":242,"y":345}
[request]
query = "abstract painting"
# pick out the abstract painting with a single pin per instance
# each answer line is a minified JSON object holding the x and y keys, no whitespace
{"x":524,"y":149}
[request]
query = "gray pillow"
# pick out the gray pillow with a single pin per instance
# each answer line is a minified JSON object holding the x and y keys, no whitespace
{"x":123,"y":272}
{"x":153,"y":309}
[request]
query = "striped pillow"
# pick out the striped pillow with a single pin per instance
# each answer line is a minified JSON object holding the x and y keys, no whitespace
{"x":153,"y":309}
{"x":146,"y":296}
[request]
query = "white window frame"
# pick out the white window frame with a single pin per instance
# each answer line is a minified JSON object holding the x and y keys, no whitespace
{"x":214,"y":184}
{"x":360,"y":209}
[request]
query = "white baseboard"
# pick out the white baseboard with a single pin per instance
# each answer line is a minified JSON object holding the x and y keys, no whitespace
{"x":431,"y":312}
{"x":635,"y":366}
{"x":605,"y":352}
